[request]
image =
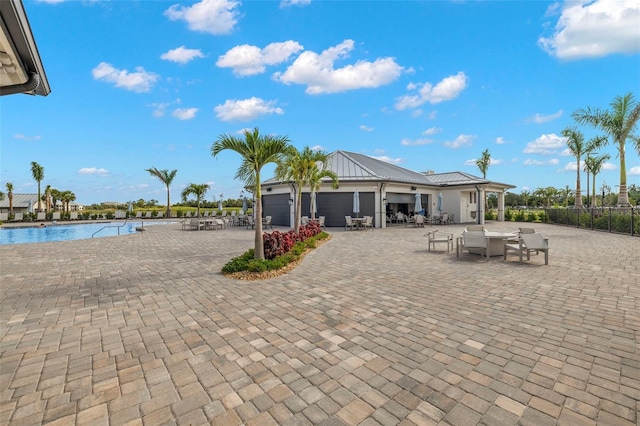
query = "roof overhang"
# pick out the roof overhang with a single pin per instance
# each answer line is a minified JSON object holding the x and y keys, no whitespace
{"x":21,"y":69}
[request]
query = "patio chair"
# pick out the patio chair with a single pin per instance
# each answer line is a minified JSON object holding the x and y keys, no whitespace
{"x":436,"y":236}
{"x":475,"y":227}
{"x":444,"y":219}
{"x":419,"y":221}
{"x":250,"y":223}
{"x":321,"y":220}
{"x":349,"y":223}
{"x":193,"y":224}
{"x":368,"y":222}
{"x":267,"y":222}
{"x":304,"y":220}
{"x":472,"y":241}
{"x":528,"y":243}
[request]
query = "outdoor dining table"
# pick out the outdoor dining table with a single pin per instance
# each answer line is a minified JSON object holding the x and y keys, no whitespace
{"x":496,"y":242}
{"x":358,"y":221}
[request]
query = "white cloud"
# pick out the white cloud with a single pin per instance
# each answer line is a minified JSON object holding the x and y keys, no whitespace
{"x":546,"y":144}
{"x":609,"y":166}
{"x":289,"y":3}
{"x":93,"y":171}
{"x":591,"y":29}
{"x":366,"y":128}
{"x":249,"y":60}
{"x":500,"y":140}
{"x":634,"y":171}
{"x":317,"y":71}
{"x":318,"y":148}
{"x":432,"y":131}
{"x":209,"y":16}
{"x":540,"y":119}
{"x":447,"y":89}
{"x":390,"y":160}
{"x":138,"y":81}
{"x":551,"y":162}
{"x":570,"y":166}
{"x":462,"y":140}
{"x":27,"y":138}
{"x":159,"y":108}
{"x":416,"y":142}
{"x":246,"y":109}
{"x":182,"y":55}
{"x":185,"y":113}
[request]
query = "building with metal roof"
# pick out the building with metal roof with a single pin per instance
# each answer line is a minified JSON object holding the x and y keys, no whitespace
{"x":384,"y":189}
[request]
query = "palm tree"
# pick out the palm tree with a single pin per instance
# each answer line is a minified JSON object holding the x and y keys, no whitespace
{"x":256,"y":152}
{"x":198,"y":191}
{"x":47,"y":198}
{"x":37,"y":171}
{"x":619,"y":123}
{"x":483,"y":164}
{"x":594,"y":165}
{"x":165,"y":177}
{"x":67,"y":197}
{"x":525,"y":196}
{"x":575,"y":143}
{"x":319,"y":173}
{"x":9,"y":187}
{"x":296,"y":166}
{"x":55,"y":196}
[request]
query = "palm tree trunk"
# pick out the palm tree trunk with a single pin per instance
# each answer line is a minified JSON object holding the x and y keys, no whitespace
{"x":623,"y":196}
{"x":168,"y":206}
{"x":578,"y":202}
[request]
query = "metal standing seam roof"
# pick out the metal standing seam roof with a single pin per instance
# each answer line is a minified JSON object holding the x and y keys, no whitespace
{"x":351,"y":166}
{"x":19,"y":200}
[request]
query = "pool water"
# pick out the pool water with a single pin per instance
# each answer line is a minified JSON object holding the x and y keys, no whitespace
{"x":51,"y":233}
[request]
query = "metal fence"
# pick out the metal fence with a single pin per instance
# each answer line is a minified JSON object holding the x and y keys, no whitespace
{"x":622,"y":220}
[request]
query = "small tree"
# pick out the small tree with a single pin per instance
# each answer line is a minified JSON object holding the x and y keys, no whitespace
{"x":9,"y":187}
{"x":37,"y":171}
{"x":166,"y":177}
{"x":196,"y":190}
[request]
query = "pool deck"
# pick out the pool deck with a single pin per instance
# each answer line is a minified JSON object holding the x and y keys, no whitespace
{"x":370,"y":329}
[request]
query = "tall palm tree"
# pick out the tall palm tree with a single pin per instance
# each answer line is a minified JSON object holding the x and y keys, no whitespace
{"x":594,"y":165}
{"x":198,"y":191}
{"x":295,"y":166}
{"x":483,"y":164}
{"x":9,"y":187}
{"x":525,"y":196}
{"x":166,"y":177}
{"x":620,"y":123}
{"x":55,"y":196}
{"x":319,"y":172}
{"x":576,"y":144}
{"x":256,"y":151}
{"x":37,"y":171}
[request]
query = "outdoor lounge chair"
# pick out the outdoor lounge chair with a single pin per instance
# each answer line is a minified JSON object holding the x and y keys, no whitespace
{"x":472,"y":241}
{"x":55,"y":216}
{"x":4,"y":217}
{"x":138,"y":215}
{"x":436,"y":236}
{"x":528,"y":243}
{"x":73,"y":216}
{"x":160,"y":214}
{"x":18,"y":217}
{"x":42,"y":216}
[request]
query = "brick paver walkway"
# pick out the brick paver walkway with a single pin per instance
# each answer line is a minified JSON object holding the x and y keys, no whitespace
{"x":370,"y":329}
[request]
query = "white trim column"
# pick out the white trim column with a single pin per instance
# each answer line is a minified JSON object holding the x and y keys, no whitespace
{"x":501,"y":206}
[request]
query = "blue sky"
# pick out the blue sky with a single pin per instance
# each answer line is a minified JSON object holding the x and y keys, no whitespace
{"x":425,"y":85}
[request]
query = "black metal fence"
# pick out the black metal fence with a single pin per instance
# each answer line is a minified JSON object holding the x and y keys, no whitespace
{"x":622,"y":220}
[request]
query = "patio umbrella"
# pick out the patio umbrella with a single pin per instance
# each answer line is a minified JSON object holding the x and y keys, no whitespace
{"x":439,"y":208}
{"x":356,"y":203}
{"x":244,"y":204}
{"x":220,"y":204}
{"x":130,"y":207}
{"x":30,"y":207}
{"x":418,"y":207}
{"x":313,"y":205}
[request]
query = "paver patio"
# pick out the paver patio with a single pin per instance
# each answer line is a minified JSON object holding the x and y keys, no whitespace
{"x":369,"y":329}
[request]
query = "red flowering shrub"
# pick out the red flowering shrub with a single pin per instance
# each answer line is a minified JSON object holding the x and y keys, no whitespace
{"x":278,"y":243}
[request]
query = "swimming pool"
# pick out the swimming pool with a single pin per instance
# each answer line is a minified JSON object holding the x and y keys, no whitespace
{"x":69,"y":232}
